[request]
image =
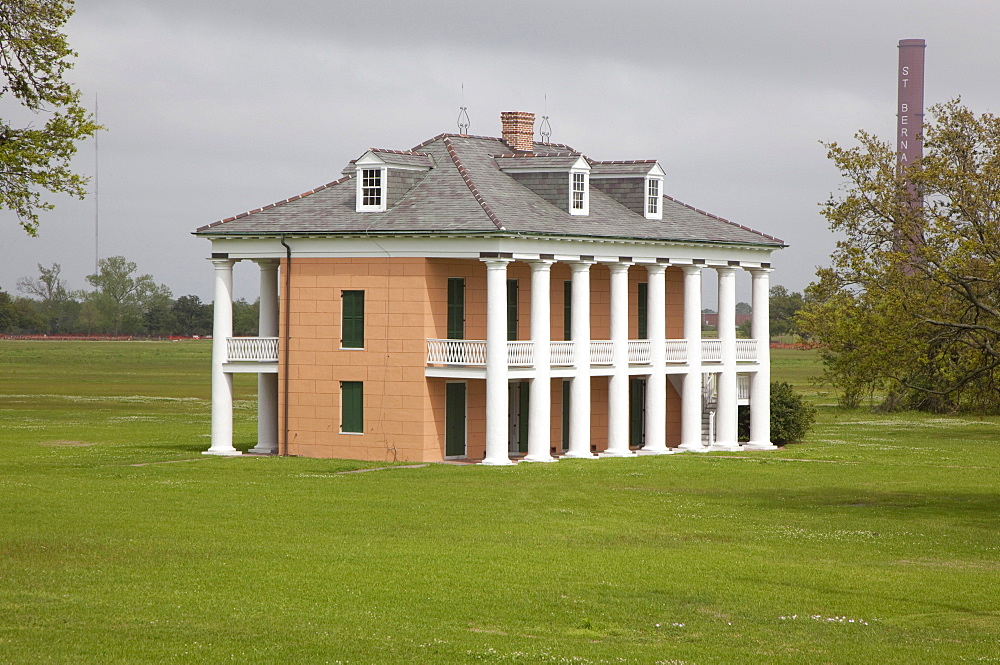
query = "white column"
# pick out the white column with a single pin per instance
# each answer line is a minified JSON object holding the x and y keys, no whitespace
{"x":267,"y":383}
{"x":540,"y":396}
{"x":618,"y":382}
{"x":726,"y":414}
{"x":579,"y":385}
{"x":656,"y":384}
{"x":760,"y":381}
{"x":497,"y":404}
{"x":691,"y":404}
{"x":222,"y":382}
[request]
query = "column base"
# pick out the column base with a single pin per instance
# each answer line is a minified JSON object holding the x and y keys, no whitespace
{"x":547,"y":458}
{"x":753,"y":445}
{"x":575,"y":455}
{"x":654,"y":451}
{"x":264,"y":449}
{"x":692,"y":448}
{"x":497,"y":461}
{"x":728,"y":447}
{"x":617,"y":453}
{"x":223,"y":453}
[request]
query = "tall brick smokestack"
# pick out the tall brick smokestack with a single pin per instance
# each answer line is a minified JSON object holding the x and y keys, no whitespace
{"x":518,"y":129}
{"x":910,"y":106}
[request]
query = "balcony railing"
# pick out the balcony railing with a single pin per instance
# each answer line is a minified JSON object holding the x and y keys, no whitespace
{"x":746,"y":350}
{"x":561,"y":353}
{"x":711,"y":350}
{"x":472,"y":352}
{"x":677,"y":350}
{"x":252,"y":349}
{"x":639,"y":352}
{"x":601,"y":352}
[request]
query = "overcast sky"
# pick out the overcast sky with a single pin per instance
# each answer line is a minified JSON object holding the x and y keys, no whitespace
{"x":214,"y":108}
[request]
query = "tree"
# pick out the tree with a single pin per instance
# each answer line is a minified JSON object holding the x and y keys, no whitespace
{"x":121,"y":298}
{"x":192,"y":316}
{"x":246,"y":318}
{"x":911,"y":305}
{"x":34,"y":58}
{"x":743,"y":308}
{"x":56,"y":304}
{"x":784,"y":305}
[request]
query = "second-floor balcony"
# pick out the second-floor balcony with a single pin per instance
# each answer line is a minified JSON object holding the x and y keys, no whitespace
{"x":472,"y":352}
{"x":252,"y":349}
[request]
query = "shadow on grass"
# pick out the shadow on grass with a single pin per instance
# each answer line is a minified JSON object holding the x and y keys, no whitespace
{"x":879,"y":503}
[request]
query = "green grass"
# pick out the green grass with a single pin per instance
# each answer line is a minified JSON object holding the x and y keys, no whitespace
{"x":874,"y":542}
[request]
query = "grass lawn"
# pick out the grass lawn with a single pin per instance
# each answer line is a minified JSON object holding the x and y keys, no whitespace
{"x":876,"y":541}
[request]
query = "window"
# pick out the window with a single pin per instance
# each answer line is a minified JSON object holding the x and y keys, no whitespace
{"x":352,"y":330}
{"x":371,"y":189}
{"x":579,"y":196}
{"x":511,"y":309}
{"x":567,"y":310}
{"x":653,"y":199}
{"x":643,"y":311}
{"x":456,"y":308}
{"x":352,"y":407}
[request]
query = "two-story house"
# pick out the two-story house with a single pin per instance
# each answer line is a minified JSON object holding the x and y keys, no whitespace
{"x":492,"y":299}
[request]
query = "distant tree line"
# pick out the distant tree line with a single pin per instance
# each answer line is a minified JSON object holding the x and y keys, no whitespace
{"x":119,"y":302}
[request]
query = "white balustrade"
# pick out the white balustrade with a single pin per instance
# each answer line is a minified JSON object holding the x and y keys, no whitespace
{"x":561,"y":353}
{"x":252,"y":349}
{"x":711,"y":350}
{"x":601,"y":352}
{"x":677,"y":351}
{"x":456,"y":352}
{"x":521,"y":353}
{"x":746,"y":350}
{"x":639,"y":351}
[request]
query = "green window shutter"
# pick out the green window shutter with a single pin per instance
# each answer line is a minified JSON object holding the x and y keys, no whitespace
{"x":352,"y":407}
{"x":565,"y":414}
{"x":643,"y":310}
{"x":456,"y":308}
{"x":352,"y":333}
{"x":567,"y":310}
{"x":511,"y":309}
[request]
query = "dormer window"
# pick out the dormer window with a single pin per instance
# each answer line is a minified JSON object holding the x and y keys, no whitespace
{"x":371,"y":189}
{"x":579,"y":192}
{"x":654,"y":208}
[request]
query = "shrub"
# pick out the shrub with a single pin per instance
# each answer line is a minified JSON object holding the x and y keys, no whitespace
{"x":791,"y":417}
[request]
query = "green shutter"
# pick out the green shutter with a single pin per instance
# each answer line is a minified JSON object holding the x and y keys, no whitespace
{"x":636,"y":412}
{"x":523,"y":397}
{"x":565,"y":414}
{"x":456,"y":308}
{"x":352,"y":407}
{"x":511,"y":309}
{"x":454,"y":418}
{"x":643,"y":310}
{"x":567,"y":310}
{"x":352,"y":333}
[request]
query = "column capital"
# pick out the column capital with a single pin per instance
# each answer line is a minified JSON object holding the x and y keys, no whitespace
{"x":725,"y":270}
{"x":580,"y":265}
{"x":540,"y":264}
{"x":691,"y":269}
{"x":496,"y":263}
{"x":222,"y":263}
{"x":619,"y":266}
{"x":656,"y":268}
{"x":267,"y":263}
{"x":759,"y":271}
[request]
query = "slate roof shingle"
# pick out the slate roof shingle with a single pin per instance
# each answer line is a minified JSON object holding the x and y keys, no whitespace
{"x":466,"y":192}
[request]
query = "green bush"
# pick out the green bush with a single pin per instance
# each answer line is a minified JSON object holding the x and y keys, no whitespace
{"x":791,"y":417}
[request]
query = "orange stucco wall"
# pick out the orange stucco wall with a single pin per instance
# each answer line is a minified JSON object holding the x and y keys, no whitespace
{"x":406,"y":303}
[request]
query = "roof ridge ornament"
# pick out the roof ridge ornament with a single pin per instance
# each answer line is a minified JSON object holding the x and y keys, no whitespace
{"x":545,"y":130}
{"x":463,"y":120}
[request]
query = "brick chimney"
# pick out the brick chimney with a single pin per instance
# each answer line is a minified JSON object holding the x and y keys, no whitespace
{"x":518,"y":129}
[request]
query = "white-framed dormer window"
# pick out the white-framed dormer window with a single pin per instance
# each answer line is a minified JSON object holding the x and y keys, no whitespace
{"x":371,"y":189}
{"x":579,"y":188}
{"x":654,"y":198}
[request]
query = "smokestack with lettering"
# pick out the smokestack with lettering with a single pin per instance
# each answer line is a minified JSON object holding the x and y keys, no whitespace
{"x":909,"y":137}
{"x":910,"y":109}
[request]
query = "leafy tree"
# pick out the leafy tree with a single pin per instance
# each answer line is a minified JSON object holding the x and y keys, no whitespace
{"x":910,"y":305}
{"x":246,"y":318}
{"x":784,"y":305}
{"x":18,"y":315}
{"x":192,"y":316}
{"x":743,"y":308}
{"x":120,"y":297}
{"x":34,"y":58}
{"x":56,"y":303}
